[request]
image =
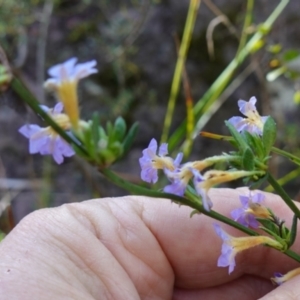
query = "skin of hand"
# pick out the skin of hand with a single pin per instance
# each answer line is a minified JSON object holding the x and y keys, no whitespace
{"x":137,"y":248}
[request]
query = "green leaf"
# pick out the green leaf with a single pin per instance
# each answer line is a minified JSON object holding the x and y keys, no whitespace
{"x":269,"y":135}
{"x":127,"y":143}
{"x":293,"y":232}
{"x":268,"y":226}
{"x":290,"y":55}
{"x":255,"y":143}
{"x":95,"y":128}
{"x":255,"y":185}
{"x":237,"y":137}
{"x":248,"y":160}
{"x":194,"y":212}
{"x":119,"y":129}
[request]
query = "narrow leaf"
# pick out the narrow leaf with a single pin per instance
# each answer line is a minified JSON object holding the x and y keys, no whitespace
{"x":248,"y":160}
{"x":130,"y":137}
{"x":237,"y":136}
{"x":293,"y":232}
{"x":269,"y":135}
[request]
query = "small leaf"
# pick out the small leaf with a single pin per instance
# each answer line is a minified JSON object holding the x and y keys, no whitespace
{"x":269,"y":135}
{"x":237,"y":136}
{"x":119,"y":129}
{"x":248,"y":160}
{"x":293,"y":232}
{"x":95,"y":128}
{"x":290,"y":55}
{"x":194,"y":212}
{"x":269,"y":225}
{"x":255,"y":143}
{"x":127,"y":143}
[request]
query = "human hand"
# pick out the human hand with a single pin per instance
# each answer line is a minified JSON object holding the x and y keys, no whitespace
{"x":136,"y":248}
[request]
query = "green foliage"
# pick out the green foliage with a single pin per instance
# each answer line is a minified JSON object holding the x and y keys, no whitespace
{"x":269,"y":135}
{"x":106,"y":145}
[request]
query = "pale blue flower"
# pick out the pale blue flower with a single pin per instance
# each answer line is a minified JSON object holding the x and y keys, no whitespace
{"x":245,"y":215}
{"x":70,"y":71}
{"x":254,"y":123}
{"x":227,"y":257}
{"x":45,"y":140}
{"x":150,"y":162}
{"x":64,"y":80}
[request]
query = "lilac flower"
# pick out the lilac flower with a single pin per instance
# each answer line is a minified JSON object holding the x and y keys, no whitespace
{"x":179,"y":178}
{"x":150,"y":162}
{"x":210,"y":178}
{"x":280,"y":278}
{"x":233,"y":245}
{"x":254,"y":123}
{"x":227,"y":257}
{"x":70,"y":71}
{"x":45,"y":140}
{"x":64,"y":80}
{"x":246,"y":214}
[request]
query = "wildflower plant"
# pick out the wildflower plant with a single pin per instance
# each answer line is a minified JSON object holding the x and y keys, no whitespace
{"x":184,"y":182}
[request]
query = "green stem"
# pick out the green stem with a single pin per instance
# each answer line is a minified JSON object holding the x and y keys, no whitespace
{"x":193,"y":203}
{"x":247,"y":23}
{"x":290,"y":156}
{"x":187,"y":34}
{"x":285,"y":179}
{"x":278,"y":188}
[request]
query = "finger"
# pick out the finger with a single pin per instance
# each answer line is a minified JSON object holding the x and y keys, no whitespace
{"x":55,"y":254}
{"x":246,"y":287}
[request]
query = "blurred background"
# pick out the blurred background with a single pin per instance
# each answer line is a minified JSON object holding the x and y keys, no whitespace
{"x":134,"y":43}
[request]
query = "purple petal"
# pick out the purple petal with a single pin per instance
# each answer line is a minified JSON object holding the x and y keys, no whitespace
{"x":178,"y":159}
{"x":58,"y":108}
{"x":177,"y":188}
{"x":35,"y":145}
{"x":29,"y":129}
{"x":63,"y":71}
{"x":246,"y":107}
{"x":85,"y":69}
{"x":245,"y":201}
{"x":258,"y":198}
{"x":238,"y":122}
{"x":163,"y":149}
{"x":149,"y":175}
{"x":227,"y":252}
{"x":153,"y":146}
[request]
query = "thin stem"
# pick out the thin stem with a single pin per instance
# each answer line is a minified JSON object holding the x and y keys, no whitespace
{"x":187,"y":35}
{"x":288,"y":155}
{"x":285,"y":179}
{"x":278,"y":188}
{"x":247,"y":23}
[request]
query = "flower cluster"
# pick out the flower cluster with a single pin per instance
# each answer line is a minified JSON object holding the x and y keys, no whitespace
{"x":63,"y":81}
